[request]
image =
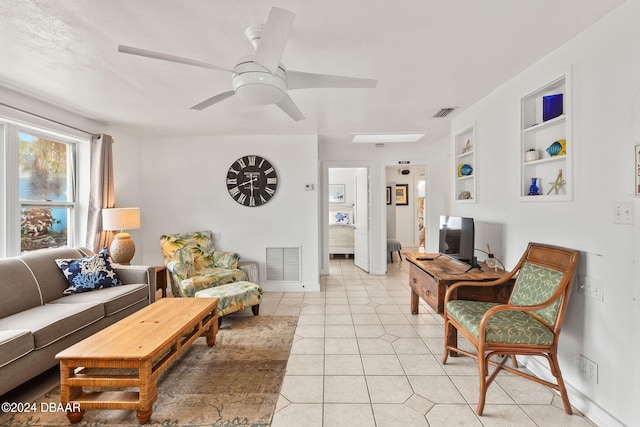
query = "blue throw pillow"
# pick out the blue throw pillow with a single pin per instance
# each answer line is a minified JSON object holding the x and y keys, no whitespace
{"x":89,"y":273}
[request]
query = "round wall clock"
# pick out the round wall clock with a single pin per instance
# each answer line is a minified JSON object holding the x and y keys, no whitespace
{"x":252,"y":180}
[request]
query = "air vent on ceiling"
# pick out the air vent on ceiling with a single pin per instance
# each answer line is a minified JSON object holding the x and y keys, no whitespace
{"x":444,"y":112}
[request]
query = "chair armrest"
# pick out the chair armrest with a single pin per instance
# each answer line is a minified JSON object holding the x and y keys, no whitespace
{"x":501,"y":281}
{"x":134,"y":274}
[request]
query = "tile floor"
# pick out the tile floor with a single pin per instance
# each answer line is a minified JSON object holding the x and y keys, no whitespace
{"x":360,"y":358}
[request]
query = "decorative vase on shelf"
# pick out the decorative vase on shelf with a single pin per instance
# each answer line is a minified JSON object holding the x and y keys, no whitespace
{"x":531,"y":155}
{"x":534,"y":190}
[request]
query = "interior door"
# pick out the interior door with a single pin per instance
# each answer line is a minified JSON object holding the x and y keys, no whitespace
{"x":361,"y":220}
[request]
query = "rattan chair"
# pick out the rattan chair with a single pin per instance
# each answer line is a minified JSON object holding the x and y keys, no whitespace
{"x":529,"y":324}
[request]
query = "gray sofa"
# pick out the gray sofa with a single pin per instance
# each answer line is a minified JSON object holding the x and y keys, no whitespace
{"x":37,"y":321}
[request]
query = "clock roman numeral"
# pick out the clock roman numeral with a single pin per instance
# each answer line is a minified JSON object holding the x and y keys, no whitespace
{"x":272,"y":181}
{"x":234,"y":191}
{"x":232,"y":181}
{"x":233,"y":171}
{"x":261,"y":163}
{"x":252,"y":160}
{"x":262,"y":199}
{"x":241,"y":198}
{"x":242,"y":163}
{"x":270,"y":191}
{"x":269,"y":171}
{"x":252,"y":201}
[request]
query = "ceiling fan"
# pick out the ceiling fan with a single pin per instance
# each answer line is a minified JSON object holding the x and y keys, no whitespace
{"x":261,"y":78}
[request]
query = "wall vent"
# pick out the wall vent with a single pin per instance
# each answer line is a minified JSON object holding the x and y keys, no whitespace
{"x":444,"y":112}
{"x":283,"y":264}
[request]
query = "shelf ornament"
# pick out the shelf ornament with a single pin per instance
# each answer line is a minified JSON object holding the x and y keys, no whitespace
{"x":467,"y":147}
{"x":464,"y":169}
{"x":559,"y":182}
{"x":558,"y":148}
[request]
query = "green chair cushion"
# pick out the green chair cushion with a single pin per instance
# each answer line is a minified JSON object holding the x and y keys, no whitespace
{"x":509,"y":327}
{"x":535,"y":284}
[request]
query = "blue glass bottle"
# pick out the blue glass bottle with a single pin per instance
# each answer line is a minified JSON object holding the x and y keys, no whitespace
{"x":534,"y":190}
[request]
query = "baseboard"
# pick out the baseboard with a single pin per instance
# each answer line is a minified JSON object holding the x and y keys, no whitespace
{"x":579,"y":400}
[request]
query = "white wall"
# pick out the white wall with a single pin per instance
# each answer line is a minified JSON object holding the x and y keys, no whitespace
{"x":605,"y":68}
{"x":183,"y":182}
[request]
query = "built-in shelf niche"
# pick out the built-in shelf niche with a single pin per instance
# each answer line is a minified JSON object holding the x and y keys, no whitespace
{"x":538,"y":134}
{"x":464,"y":149}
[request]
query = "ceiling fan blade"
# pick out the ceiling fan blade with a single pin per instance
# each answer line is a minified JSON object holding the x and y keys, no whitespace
{"x":288,"y":106}
{"x":302,"y":80}
{"x":167,"y":57}
{"x":213,"y":100}
{"x":274,"y":38}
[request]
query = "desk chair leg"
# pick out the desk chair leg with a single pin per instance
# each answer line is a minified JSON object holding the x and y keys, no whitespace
{"x":400,"y":255}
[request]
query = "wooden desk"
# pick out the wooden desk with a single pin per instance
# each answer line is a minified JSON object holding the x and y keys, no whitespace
{"x":429,"y":280}
{"x":145,"y":344}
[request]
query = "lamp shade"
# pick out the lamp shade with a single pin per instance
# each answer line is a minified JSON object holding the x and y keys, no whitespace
{"x":120,"y":218}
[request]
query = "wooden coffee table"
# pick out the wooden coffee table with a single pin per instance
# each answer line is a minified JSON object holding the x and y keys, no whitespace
{"x":133,"y":353}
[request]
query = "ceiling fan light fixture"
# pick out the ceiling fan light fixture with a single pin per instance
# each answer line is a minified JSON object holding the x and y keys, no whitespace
{"x":254,"y":84}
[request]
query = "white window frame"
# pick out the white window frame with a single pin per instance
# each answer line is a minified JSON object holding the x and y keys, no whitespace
{"x":10,"y":204}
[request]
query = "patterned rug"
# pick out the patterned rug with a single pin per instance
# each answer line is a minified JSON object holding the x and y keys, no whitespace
{"x":234,"y":383}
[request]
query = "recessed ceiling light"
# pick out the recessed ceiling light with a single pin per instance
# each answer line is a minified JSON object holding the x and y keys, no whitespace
{"x":379,"y":138}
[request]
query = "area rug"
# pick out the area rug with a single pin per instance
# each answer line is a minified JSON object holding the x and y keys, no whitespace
{"x":234,"y":383}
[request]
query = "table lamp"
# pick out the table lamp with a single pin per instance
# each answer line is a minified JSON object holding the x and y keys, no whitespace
{"x":122,"y":248}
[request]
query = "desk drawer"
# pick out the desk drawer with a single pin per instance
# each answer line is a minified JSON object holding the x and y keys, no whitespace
{"x":425,"y":286}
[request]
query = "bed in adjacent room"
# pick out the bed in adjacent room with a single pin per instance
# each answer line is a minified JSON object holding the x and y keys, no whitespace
{"x":341,"y":230}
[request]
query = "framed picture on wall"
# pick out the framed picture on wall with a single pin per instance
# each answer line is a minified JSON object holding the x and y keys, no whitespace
{"x":402,"y":194}
{"x":336,"y":193}
{"x":388,"y":195}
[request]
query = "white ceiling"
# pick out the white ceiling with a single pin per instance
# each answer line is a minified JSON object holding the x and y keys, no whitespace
{"x":425,"y":54}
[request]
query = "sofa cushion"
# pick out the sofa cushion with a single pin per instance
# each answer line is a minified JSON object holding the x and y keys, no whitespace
{"x":43,"y":265}
{"x":51,"y":322}
{"x":19,"y":288}
{"x":114,"y":299}
{"x":89,"y":273}
{"x":14,"y":344}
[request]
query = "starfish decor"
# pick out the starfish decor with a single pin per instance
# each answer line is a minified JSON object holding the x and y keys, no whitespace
{"x":558,"y":183}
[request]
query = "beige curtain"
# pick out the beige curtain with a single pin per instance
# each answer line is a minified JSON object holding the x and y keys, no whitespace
{"x":101,"y":193}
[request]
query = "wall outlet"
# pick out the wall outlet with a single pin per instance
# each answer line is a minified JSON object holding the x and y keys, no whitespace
{"x":590,"y":287}
{"x":623,"y":213}
{"x":587,"y":368}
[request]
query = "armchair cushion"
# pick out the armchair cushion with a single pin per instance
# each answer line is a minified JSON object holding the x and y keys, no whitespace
{"x":209,"y":278}
{"x":536,"y":284}
{"x":511,"y":327}
{"x":225,"y":259}
{"x":233,"y":296}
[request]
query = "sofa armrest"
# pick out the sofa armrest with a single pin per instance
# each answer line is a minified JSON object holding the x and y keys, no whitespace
{"x":134,"y":274}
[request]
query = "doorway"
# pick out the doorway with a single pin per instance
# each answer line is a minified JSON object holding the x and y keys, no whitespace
{"x":348,"y":219}
{"x":407,"y":206}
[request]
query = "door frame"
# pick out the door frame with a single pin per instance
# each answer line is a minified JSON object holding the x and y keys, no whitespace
{"x":377,"y":228}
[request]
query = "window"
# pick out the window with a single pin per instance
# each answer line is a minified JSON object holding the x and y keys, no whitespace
{"x":46,"y":191}
{"x":41,"y":195}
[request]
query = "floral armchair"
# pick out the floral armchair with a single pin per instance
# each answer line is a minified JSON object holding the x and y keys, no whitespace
{"x":194,"y":264}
